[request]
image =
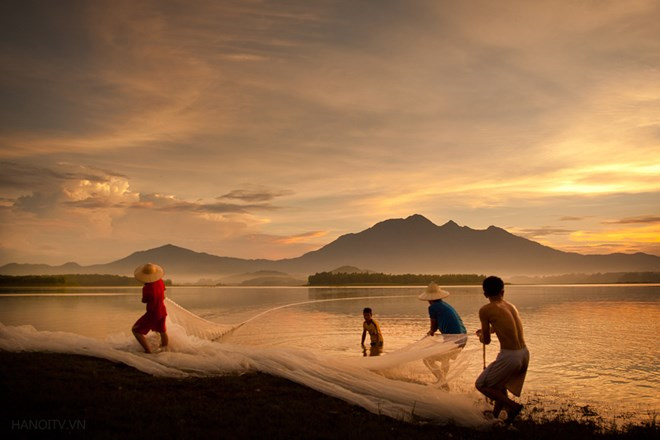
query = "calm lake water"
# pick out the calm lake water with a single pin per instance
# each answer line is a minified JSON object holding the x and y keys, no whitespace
{"x":593,"y":348}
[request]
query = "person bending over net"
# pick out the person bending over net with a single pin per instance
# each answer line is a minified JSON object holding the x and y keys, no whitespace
{"x":444,"y":318}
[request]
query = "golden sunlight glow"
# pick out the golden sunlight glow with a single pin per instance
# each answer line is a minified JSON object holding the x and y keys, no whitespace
{"x":644,"y":234}
{"x":302,"y":238}
{"x":620,"y":169}
{"x":579,"y":188}
{"x":212,"y":217}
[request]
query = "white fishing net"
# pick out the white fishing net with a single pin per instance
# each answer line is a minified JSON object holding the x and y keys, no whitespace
{"x":399,"y":384}
{"x":196,"y":325}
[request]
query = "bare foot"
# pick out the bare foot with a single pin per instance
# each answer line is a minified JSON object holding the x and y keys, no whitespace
{"x":513,"y":413}
{"x":497,"y":409}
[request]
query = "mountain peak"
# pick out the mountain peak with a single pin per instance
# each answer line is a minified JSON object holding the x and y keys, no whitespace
{"x":416,"y":222}
{"x":450,"y":224}
{"x":169,"y":248}
{"x":492,"y":228}
{"x":417,"y":218}
{"x":420,"y":220}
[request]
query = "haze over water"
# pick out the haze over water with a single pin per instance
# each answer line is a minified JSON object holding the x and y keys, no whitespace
{"x":590,"y":345}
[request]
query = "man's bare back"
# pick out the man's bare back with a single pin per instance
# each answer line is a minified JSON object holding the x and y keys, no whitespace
{"x":502,"y":317}
{"x":508,"y":370}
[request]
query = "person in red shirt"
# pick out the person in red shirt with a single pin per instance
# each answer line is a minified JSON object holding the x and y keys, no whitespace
{"x":153,"y":294}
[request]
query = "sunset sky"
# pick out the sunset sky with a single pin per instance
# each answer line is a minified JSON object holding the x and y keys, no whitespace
{"x":266,"y":129}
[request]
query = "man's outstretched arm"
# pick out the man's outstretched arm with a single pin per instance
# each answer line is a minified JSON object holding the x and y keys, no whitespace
{"x":485,"y":330}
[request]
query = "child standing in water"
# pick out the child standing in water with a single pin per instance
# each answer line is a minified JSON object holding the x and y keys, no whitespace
{"x":153,"y":294}
{"x":371,"y":326}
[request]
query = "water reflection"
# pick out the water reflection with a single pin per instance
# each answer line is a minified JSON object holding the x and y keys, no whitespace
{"x":591,"y":345}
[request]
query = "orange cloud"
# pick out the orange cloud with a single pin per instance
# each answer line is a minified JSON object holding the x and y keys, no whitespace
{"x":301,"y":238}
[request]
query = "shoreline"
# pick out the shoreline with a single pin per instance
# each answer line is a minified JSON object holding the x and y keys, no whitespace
{"x":78,"y":396}
{"x":5,"y":288}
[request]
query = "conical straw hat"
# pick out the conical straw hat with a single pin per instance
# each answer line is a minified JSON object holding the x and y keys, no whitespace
{"x":148,"y":273}
{"x":433,"y":292}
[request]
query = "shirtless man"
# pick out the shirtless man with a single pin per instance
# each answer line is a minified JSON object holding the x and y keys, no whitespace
{"x":510,"y":367}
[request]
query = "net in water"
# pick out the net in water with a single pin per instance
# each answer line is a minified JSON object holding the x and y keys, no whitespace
{"x":387,"y":384}
{"x":384,"y":385}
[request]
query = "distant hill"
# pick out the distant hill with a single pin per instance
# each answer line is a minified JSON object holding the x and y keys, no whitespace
{"x":274,"y":281}
{"x":262,"y":278}
{"x":349,"y":269}
{"x":396,"y":246}
{"x":179,"y":263}
{"x":43,"y":269}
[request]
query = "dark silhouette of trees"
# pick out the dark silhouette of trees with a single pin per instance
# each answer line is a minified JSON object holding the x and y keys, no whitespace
{"x":380,"y":279}
{"x":70,"y":280}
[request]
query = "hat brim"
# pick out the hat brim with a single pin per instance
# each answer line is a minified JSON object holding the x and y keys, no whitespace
{"x":149,"y":277}
{"x":431,"y":296}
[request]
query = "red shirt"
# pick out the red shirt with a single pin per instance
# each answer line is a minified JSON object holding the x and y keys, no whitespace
{"x":153,"y":294}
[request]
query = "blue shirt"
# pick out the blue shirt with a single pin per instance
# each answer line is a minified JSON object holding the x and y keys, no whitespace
{"x":448,"y":320}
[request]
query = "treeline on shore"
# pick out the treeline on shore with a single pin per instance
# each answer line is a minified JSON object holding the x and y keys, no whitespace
{"x":71,"y":280}
{"x":381,"y":279}
{"x":592,"y":278}
{"x":371,"y":279}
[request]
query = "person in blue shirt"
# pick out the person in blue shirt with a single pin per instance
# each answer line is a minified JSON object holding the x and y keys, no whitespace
{"x":443,"y":318}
